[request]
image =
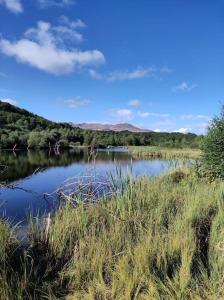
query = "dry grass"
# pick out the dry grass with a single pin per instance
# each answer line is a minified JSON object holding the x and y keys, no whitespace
{"x":161,"y":239}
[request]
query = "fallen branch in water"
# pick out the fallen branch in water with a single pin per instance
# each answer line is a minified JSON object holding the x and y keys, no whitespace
{"x":85,"y":189}
{"x":13,"y":187}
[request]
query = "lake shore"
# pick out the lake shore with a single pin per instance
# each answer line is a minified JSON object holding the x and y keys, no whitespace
{"x":160,"y":238}
{"x":33,"y":177}
{"x":163,"y":152}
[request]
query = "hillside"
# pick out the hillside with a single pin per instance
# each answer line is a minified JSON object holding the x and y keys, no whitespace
{"x":111,"y":127}
{"x":21,"y":129}
{"x":15,"y":118}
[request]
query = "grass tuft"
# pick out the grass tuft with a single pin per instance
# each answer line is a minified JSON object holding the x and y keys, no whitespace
{"x":161,"y":238}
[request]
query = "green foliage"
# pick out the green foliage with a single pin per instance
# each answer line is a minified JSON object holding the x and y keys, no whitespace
{"x":161,"y":238}
{"x":22,"y":129}
{"x":213,"y":148}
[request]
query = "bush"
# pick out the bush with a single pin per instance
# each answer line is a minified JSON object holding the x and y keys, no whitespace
{"x":213,"y":148}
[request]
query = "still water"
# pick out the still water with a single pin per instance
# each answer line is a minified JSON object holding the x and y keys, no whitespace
{"x":31,"y":175}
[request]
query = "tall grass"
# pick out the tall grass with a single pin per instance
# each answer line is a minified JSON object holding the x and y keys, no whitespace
{"x":166,"y":153}
{"x":161,"y":238}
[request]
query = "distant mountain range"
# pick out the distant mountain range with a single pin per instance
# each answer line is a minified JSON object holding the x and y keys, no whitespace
{"x":110,"y":127}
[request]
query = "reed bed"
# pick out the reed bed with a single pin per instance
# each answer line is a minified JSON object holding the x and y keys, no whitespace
{"x":165,"y":153}
{"x":161,"y":238}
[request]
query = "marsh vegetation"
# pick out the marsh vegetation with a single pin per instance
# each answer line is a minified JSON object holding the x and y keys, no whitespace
{"x":149,"y":238}
{"x":160,"y":238}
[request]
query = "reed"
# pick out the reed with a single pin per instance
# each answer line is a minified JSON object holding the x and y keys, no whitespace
{"x":165,"y":153}
{"x":161,"y":238}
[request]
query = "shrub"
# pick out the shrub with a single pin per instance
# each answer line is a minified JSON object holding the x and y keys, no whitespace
{"x":213,"y":148}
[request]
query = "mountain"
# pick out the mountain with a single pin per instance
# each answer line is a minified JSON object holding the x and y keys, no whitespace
{"x":21,"y":129}
{"x":14,"y":118}
{"x":109,"y":127}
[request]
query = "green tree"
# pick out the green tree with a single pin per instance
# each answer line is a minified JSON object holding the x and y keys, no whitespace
{"x":213,"y":148}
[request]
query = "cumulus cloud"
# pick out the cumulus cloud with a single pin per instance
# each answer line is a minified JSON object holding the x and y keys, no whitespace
{"x":183,"y":130}
{"x":76,"y":102}
{"x":184,"y":87}
{"x":14,"y":6}
{"x":9,"y":100}
{"x":44,"y":47}
{"x":55,"y":3}
{"x":134,"y":102}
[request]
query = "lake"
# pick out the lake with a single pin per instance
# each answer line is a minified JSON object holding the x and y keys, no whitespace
{"x":34,"y":176}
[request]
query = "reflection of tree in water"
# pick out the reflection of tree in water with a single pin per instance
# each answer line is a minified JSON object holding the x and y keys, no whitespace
{"x":22,"y":164}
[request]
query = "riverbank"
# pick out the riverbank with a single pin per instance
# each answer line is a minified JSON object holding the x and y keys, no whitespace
{"x":161,"y":238}
{"x":165,"y":153}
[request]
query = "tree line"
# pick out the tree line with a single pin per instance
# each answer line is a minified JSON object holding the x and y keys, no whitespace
{"x":20,"y":129}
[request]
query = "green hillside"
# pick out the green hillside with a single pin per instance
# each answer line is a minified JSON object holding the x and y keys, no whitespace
{"x":21,"y":129}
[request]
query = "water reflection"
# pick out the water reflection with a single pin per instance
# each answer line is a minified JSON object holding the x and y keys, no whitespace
{"x":34,"y":173}
{"x":21,"y":164}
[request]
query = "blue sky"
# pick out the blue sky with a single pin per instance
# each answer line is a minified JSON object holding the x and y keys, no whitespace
{"x":153,"y":63}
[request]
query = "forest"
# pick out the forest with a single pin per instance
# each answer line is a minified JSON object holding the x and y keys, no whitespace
{"x":20,"y":129}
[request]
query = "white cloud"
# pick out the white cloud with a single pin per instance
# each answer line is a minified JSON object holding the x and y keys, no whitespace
{"x":194,"y":117}
{"x":157,"y":130}
{"x":56,"y":3}
{"x":14,"y":6}
{"x":130,"y":75}
{"x":73,"y":24}
{"x":143,"y":114}
{"x":183,"y":130}
{"x":121,"y":75}
{"x":134,"y":102}
{"x":137,"y":73}
{"x":9,"y":100}
{"x":44,"y":48}
{"x":201,"y":128}
{"x":184,"y":87}
{"x":158,"y":115}
{"x":65,"y":31}
{"x":123,"y":114}
{"x":152,"y":114}
{"x":76,"y":102}
{"x":95,"y":75}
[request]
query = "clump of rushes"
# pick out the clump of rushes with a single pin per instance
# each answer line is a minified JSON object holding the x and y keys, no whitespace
{"x":161,"y":238}
{"x":164,"y":153}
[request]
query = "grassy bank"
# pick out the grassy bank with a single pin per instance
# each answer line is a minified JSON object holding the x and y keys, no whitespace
{"x":166,"y":153}
{"x":161,"y":239}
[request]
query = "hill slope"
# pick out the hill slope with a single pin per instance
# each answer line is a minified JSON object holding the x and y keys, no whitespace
{"x":21,"y":129}
{"x":15,"y":118}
